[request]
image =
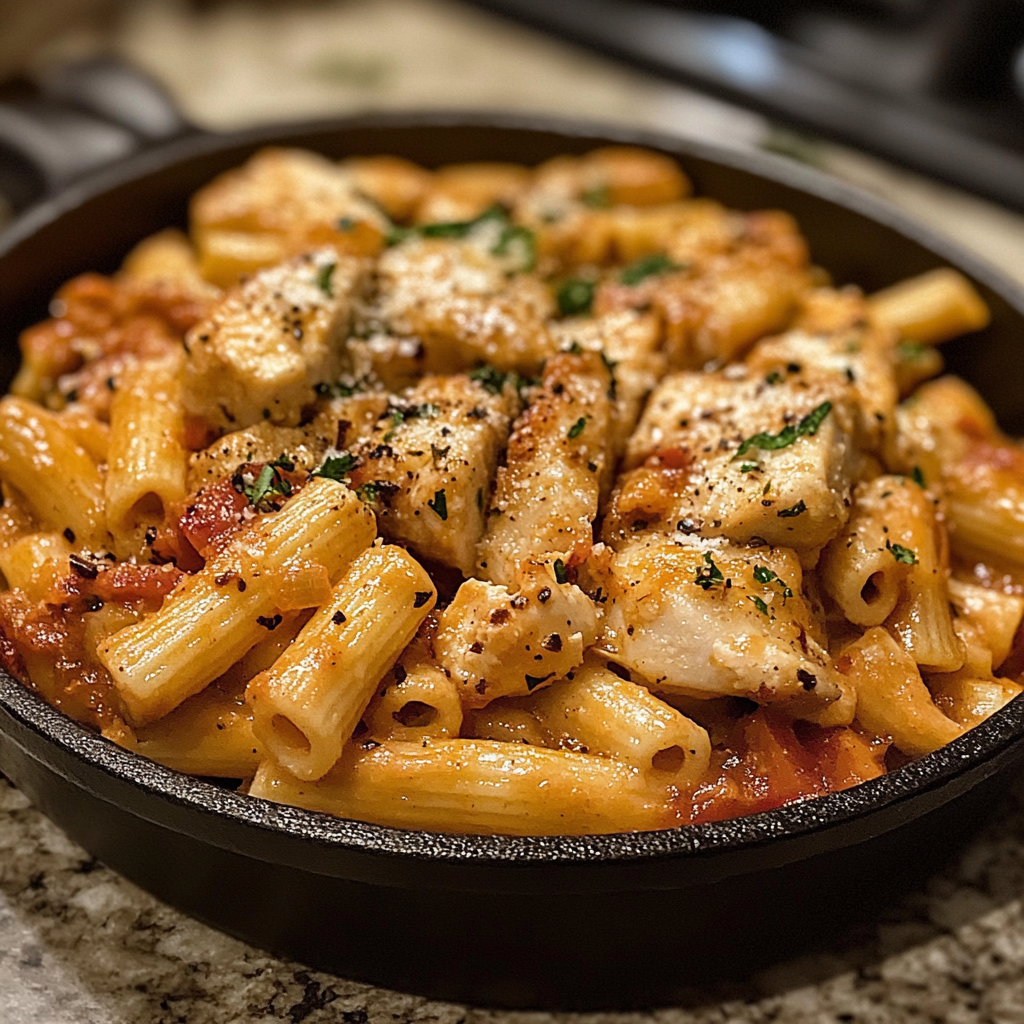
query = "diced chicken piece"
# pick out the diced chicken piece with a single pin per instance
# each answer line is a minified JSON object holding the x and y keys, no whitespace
{"x":603,"y":206}
{"x":428,"y":467}
{"x":270,"y":341}
{"x":460,"y":192}
{"x":280,"y":203}
{"x":339,"y":424}
{"x":465,"y":304}
{"x":857,"y":361}
{"x":729,"y":455}
{"x":707,"y":619}
{"x":168,"y":258}
{"x":546,"y":496}
{"x":497,"y":644}
{"x":714,"y":308}
{"x":631,"y":344}
{"x":397,"y":186}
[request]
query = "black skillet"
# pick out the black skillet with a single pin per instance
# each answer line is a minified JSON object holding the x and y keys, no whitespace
{"x":608,"y":921}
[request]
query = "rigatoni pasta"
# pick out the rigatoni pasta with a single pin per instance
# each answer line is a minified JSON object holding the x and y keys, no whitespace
{"x":507,"y":500}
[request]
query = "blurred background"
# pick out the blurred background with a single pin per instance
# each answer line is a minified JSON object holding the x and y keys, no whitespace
{"x":921,"y":101}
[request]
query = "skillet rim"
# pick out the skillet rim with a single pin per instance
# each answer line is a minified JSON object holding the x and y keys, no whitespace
{"x":977,"y":754}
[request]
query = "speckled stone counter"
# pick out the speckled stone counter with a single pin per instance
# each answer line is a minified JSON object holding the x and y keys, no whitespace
{"x":79,"y":945}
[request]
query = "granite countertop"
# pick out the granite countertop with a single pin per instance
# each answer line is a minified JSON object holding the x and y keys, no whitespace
{"x":79,"y":945}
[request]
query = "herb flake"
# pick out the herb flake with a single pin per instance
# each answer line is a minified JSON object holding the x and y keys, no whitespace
{"x":577,"y":428}
{"x":648,"y":266}
{"x":336,"y":467}
{"x":902,"y":554}
{"x":575,"y":297}
{"x":324,"y":279}
{"x":708,"y":574}
{"x":806,"y":427}
{"x":439,"y":505}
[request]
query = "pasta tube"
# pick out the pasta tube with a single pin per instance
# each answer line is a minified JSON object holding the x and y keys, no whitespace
{"x":34,"y":563}
{"x":306,"y":706}
{"x":932,"y":307}
{"x":59,"y":478}
{"x":891,"y":698}
{"x":597,"y":711}
{"x":218,"y":614}
{"x":146,"y":460}
{"x":478,"y":786}
{"x":859,"y":570}
{"x":210,"y":734}
{"x":417,"y":700}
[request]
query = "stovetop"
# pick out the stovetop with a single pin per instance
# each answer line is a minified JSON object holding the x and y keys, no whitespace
{"x":937,"y":85}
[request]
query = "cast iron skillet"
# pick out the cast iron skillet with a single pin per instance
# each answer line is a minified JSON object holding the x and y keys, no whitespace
{"x":619,"y":920}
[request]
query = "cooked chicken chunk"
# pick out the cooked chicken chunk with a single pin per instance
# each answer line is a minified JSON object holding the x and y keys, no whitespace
{"x":460,"y":192}
{"x":546,"y":496}
{"x":458,"y":299}
{"x":500,"y":644}
{"x":713,"y":307}
{"x":732,"y":455}
{"x":708,"y":619}
{"x":631,"y":345}
{"x":339,"y":423}
{"x":279,"y":204}
{"x":429,"y":464}
{"x":591,"y":209}
{"x":269,"y":341}
{"x":857,"y":359}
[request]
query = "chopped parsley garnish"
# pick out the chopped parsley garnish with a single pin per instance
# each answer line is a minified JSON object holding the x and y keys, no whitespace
{"x":440,"y":505}
{"x":708,"y":574}
{"x":648,"y":266}
{"x":764,"y":575}
{"x":490,"y":378}
{"x":577,"y":428}
{"x":794,"y":510}
{"x":461,"y":228}
{"x":395,"y":234}
{"x":283,"y":462}
{"x":397,"y":419}
{"x":918,"y":477}
{"x":597,"y":198}
{"x":336,"y":467}
{"x":268,"y":485}
{"x":494,"y":380}
{"x":367,"y":492}
{"x":575,"y":297}
{"x":560,"y":574}
{"x":347,"y":224}
{"x":902,"y":554}
{"x":323,"y":279}
{"x":758,"y":604}
{"x":773,"y":378}
{"x":749,"y":467}
{"x":515,"y":240}
{"x":424,"y":411}
{"x":807,"y":427}
{"x":340,"y":389}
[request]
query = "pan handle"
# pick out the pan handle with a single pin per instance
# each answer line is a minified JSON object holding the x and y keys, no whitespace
{"x":86,"y":114}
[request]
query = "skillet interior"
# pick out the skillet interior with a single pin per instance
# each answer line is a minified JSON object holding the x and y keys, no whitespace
{"x":208,"y":851}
